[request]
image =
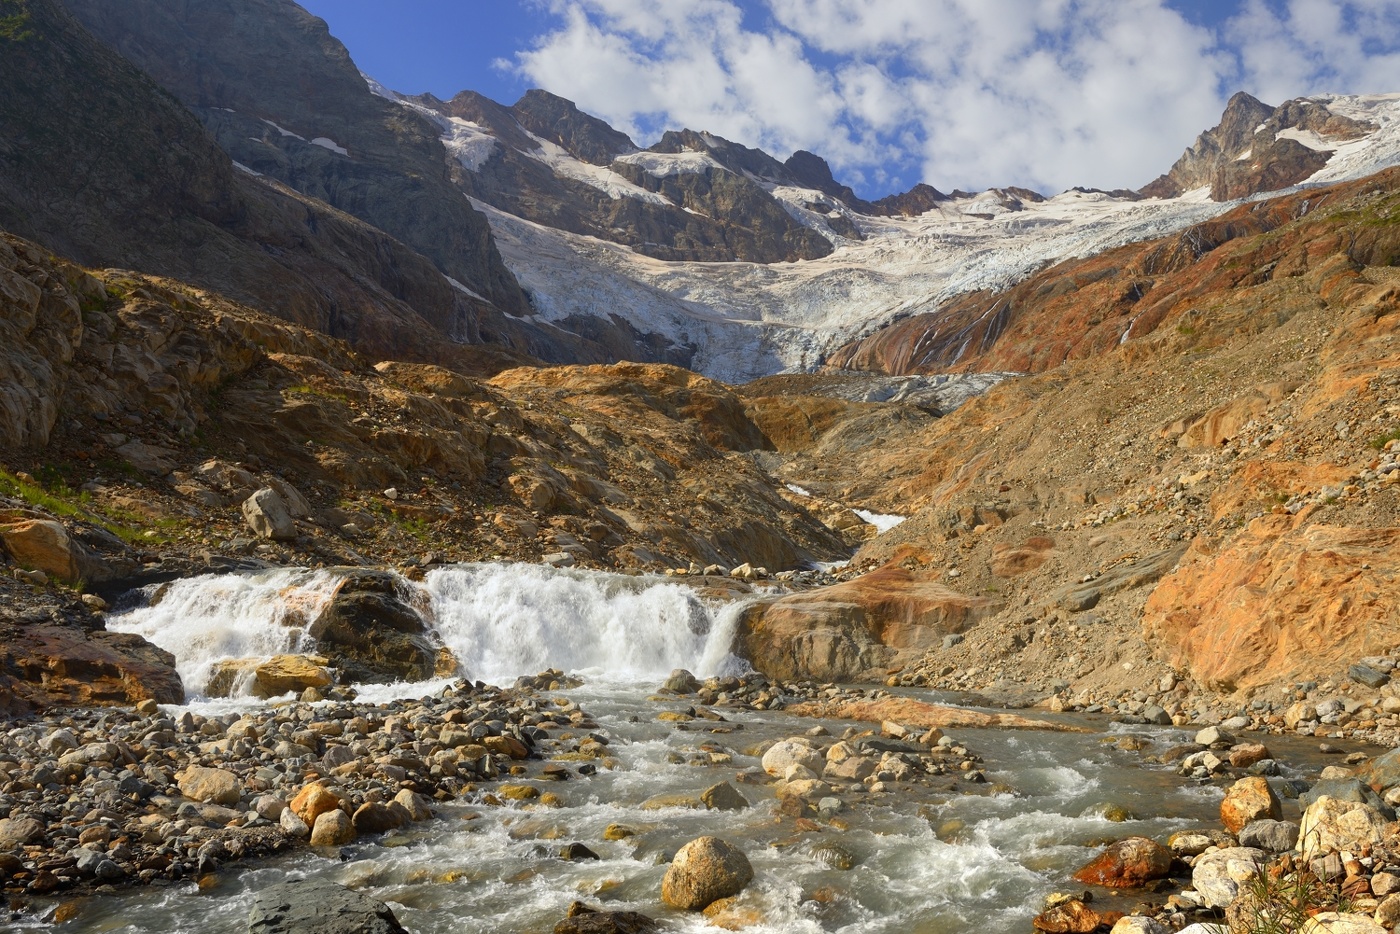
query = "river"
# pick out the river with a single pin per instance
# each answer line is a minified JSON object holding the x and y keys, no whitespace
{"x":925,"y":860}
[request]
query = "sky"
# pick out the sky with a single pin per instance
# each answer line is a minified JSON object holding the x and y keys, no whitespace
{"x":970,"y":94}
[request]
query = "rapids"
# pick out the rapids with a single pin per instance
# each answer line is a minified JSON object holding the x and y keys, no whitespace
{"x":926,"y":860}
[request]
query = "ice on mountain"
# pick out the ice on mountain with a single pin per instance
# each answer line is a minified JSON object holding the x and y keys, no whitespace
{"x":284,"y":131}
{"x":664,"y":164}
{"x":600,"y":177}
{"x":327,"y":143}
{"x":1308,"y":138}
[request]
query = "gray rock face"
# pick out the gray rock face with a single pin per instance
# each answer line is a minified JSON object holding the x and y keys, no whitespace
{"x":319,"y":908}
{"x":1249,"y":125}
{"x":1272,"y":836}
{"x":269,"y":60}
{"x":732,"y":216}
{"x":371,"y":634}
{"x":1216,"y":875}
{"x":268,"y":517}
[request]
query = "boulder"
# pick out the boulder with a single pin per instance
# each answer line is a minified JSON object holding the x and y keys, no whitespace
{"x":703,"y":871}
{"x":843,"y":632}
{"x":723,"y":797}
{"x":1249,"y":799}
{"x":1271,"y":836}
{"x":266,"y":678}
{"x":63,"y":665}
{"x":333,"y":828}
{"x":45,"y":545}
{"x":1217,"y":876}
{"x":214,"y":786}
{"x":370,"y":633}
{"x":1335,"y":922}
{"x":585,"y":920}
{"x":1127,"y":864}
{"x":418,"y":807}
{"x":1350,"y":788}
{"x":1071,"y":917}
{"x":781,"y":756}
{"x":1381,"y":773}
{"x":682,"y":682}
{"x":20,"y":831}
{"x":1244,"y":755}
{"x":267,"y":515}
{"x":313,"y":801}
{"x":377,"y":817}
{"x":1331,"y":825}
{"x":305,"y":907}
{"x":1135,"y":924}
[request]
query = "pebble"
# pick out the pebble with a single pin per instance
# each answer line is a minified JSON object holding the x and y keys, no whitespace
{"x":180,"y":795}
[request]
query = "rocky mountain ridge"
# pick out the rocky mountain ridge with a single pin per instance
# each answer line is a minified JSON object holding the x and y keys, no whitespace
{"x":766,"y":265}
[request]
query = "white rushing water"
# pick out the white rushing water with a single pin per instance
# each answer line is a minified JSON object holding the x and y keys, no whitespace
{"x":499,"y":620}
{"x":205,"y":620}
{"x":928,"y":860}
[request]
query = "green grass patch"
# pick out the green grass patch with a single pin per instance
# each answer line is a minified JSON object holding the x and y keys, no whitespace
{"x":50,"y":492}
{"x":1380,"y":441}
{"x":305,"y":390}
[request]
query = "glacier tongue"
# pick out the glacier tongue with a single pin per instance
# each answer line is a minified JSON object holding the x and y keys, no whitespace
{"x":746,"y":320}
{"x":749,"y":320}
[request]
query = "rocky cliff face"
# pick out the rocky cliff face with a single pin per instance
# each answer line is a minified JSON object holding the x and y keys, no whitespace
{"x":99,"y":164}
{"x":700,"y":207}
{"x":282,"y":96}
{"x":1211,"y":501}
{"x":1250,"y":151}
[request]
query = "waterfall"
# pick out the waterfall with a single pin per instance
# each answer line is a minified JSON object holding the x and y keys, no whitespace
{"x":499,"y":620}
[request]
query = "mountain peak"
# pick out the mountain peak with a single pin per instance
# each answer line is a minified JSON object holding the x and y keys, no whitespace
{"x":558,"y":120}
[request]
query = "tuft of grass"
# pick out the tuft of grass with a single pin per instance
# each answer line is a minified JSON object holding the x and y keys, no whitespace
{"x":305,"y":390}
{"x":1380,"y":441}
{"x":51,"y":493}
{"x":14,"y":21}
{"x":1283,"y":903}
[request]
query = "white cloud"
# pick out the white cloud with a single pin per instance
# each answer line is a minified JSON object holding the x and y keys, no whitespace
{"x":958,"y":93}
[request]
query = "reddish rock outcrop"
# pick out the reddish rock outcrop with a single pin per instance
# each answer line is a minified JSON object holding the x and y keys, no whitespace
{"x":1283,"y":598}
{"x":1127,"y":864}
{"x":842,"y":632}
{"x":57,"y":665}
{"x":914,"y":713}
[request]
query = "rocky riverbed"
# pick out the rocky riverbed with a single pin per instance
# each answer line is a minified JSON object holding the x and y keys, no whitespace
{"x":386,"y":796}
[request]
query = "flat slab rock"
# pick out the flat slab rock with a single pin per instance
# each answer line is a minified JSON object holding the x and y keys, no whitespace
{"x":911,"y":712}
{"x":301,"y":907}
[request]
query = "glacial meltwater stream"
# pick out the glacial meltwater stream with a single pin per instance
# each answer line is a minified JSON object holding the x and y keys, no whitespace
{"x":918,"y":861}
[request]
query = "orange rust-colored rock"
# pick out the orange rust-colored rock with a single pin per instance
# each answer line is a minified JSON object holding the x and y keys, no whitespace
{"x":1283,"y":598}
{"x":1127,"y":864}
{"x":1073,"y":917}
{"x":914,"y":713}
{"x":61,"y":665}
{"x":846,"y":631}
{"x":313,"y":801}
{"x":1015,"y":560}
{"x":1248,"y":800}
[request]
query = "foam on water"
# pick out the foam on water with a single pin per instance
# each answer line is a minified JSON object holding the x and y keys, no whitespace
{"x":499,"y":620}
{"x":208,"y":619}
{"x":504,"y":620}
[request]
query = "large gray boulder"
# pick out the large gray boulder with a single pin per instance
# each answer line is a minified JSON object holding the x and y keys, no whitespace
{"x":304,"y":907}
{"x":267,"y":515}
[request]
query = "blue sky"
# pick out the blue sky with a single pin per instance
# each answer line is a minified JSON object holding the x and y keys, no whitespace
{"x":956,"y":93}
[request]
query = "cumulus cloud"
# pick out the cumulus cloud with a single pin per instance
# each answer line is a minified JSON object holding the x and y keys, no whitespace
{"x":957,"y":93}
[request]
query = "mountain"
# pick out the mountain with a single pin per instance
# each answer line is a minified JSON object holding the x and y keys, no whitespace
{"x":695,"y":251}
{"x":692,"y":197}
{"x":283,"y":98}
{"x":1257,"y":148}
{"x":99,"y":164}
